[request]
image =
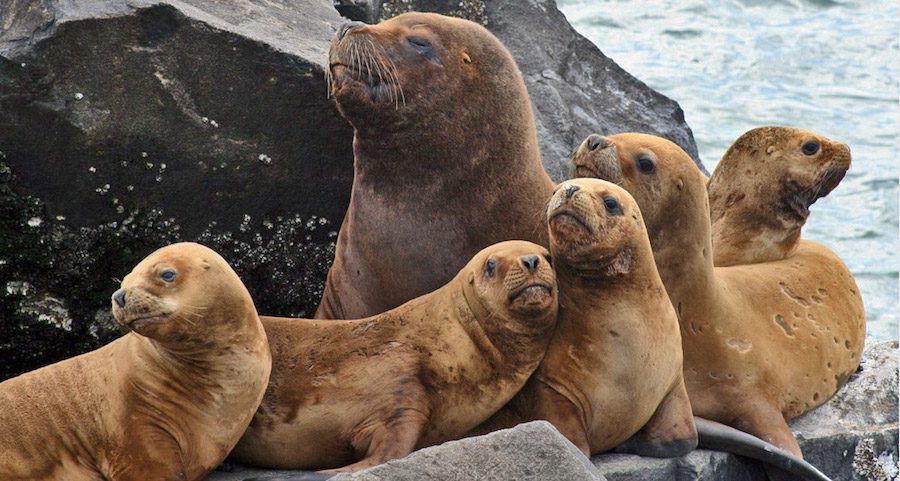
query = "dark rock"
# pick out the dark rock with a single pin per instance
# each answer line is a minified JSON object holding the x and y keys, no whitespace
{"x":575,"y":90}
{"x":128,"y":125}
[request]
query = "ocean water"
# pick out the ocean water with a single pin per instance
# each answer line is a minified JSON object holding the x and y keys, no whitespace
{"x":829,"y":66}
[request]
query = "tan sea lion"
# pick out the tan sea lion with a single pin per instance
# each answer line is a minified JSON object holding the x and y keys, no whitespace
{"x":445,"y":158}
{"x":612,"y":371}
{"x":370,"y":390}
{"x":761,"y":191}
{"x":166,"y":401}
{"x":762,"y":342}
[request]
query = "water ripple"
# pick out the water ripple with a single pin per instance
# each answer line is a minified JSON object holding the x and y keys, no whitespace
{"x":831,"y":66}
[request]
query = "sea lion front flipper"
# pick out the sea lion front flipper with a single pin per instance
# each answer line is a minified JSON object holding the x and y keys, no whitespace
{"x":764,"y":421}
{"x":670,"y":432}
{"x":391,"y":439}
{"x":562,"y":413}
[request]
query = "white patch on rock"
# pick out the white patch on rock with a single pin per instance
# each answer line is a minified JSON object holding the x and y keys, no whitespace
{"x":35,"y":222}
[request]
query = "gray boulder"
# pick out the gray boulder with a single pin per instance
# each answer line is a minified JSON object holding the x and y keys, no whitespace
{"x":575,"y":90}
{"x":126,"y":125}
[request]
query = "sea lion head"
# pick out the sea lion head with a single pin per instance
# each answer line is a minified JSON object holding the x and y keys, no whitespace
{"x":419,"y":67}
{"x":594,"y":228}
{"x":778,"y":168}
{"x":660,"y":176}
{"x":513,"y":280}
{"x":182,"y":293}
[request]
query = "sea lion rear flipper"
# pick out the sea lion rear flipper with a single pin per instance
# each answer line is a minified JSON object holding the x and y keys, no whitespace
{"x":670,"y":431}
{"x":391,"y":439}
{"x":720,"y":437}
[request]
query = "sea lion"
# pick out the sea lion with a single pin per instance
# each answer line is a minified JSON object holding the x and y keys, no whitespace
{"x":762,"y":342}
{"x":370,"y":390}
{"x":761,"y":191}
{"x":167,"y":401}
{"x":445,"y":158}
{"x":612,"y":371}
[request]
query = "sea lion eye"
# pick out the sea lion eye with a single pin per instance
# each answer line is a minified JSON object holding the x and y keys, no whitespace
{"x":612,"y":205}
{"x":419,"y":44}
{"x":549,"y":260}
{"x":645,"y":164}
{"x":810,"y":148}
{"x":489,"y":267}
{"x":167,"y":275}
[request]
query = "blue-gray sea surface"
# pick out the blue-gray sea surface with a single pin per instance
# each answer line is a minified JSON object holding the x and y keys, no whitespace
{"x":828,"y":66}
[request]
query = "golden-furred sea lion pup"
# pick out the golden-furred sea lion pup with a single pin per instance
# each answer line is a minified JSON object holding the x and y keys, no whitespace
{"x":353,"y":394}
{"x":167,"y":401}
{"x":762,"y":342}
{"x":445,"y":152}
{"x":761,"y":191}
{"x":612,"y":371}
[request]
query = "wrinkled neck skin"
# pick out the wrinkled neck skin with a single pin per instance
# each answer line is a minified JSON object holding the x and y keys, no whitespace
{"x":209,"y":383}
{"x":499,"y":337}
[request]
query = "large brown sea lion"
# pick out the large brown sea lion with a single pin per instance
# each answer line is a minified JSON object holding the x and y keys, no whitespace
{"x":370,"y":390}
{"x":762,"y":342}
{"x":612,"y":371}
{"x":167,"y":401}
{"x":445,"y":158}
{"x":761,"y":191}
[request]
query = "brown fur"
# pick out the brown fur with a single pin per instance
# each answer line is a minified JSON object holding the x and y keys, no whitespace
{"x":761,"y":191}
{"x":763,"y":342}
{"x":445,"y":159}
{"x":612,"y":371}
{"x":374,"y":389}
{"x":165,"y":402}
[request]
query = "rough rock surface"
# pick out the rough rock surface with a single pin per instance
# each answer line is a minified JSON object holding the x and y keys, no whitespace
{"x":852,"y":437}
{"x":128,"y":125}
{"x":532,"y":451}
{"x":575,"y":90}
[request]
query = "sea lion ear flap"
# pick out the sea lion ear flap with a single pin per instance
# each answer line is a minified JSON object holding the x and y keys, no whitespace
{"x":470,"y":277}
{"x":465,"y":57}
{"x":205,"y":263}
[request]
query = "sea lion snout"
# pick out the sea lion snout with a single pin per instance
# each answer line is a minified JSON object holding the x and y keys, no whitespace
{"x":595,"y":142}
{"x":530,"y":262}
{"x":119,"y":298}
{"x":596,"y":157}
{"x":345,"y":28}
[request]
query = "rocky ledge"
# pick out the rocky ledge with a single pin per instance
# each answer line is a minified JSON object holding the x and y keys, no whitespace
{"x":852,"y":437}
{"x":129,"y":124}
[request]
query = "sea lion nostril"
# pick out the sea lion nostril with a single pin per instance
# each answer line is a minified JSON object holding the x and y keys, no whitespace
{"x":530,"y":262}
{"x":570,"y":190}
{"x":595,"y":141}
{"x":119,"y":297}
{"x":343,"y":29}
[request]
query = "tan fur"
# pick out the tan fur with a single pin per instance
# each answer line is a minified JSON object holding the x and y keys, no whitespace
{"x":165,"y":402}
{"x":613,"y":368}
{"x":761,"y":190}
{"x":445,"y":159}
{"x":763,"y":342}
{"x":374,"y":389}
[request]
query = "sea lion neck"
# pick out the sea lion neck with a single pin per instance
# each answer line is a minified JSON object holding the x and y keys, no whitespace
{"x":682,"y":245}
{"x":497,"y":335}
